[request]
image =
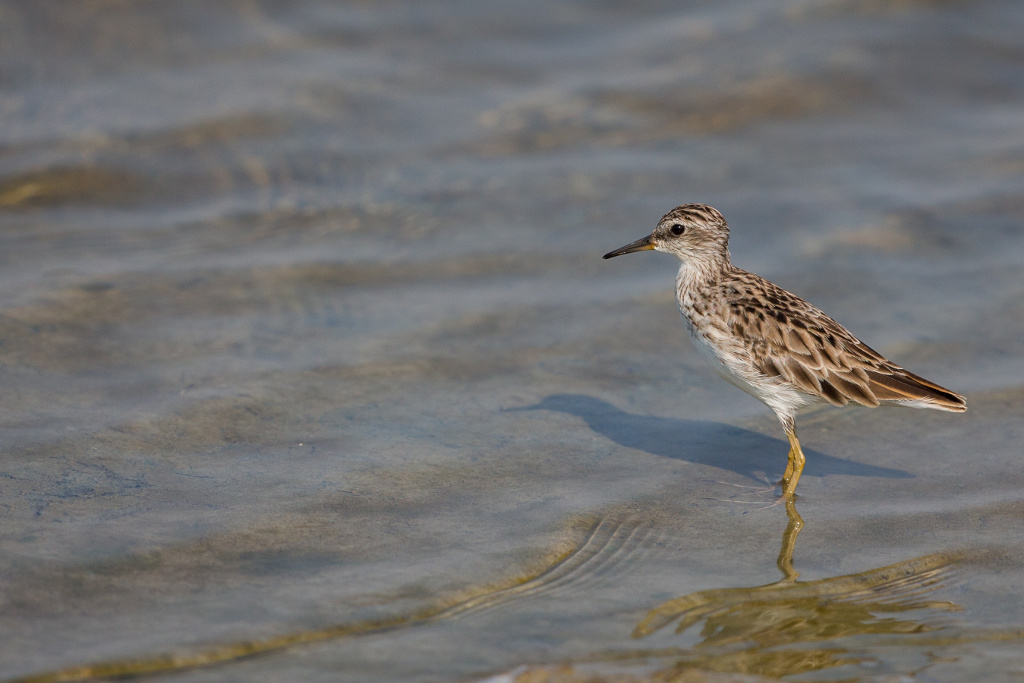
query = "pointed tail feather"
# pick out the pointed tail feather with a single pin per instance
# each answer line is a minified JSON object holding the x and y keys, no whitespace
{"x":906,"y":388}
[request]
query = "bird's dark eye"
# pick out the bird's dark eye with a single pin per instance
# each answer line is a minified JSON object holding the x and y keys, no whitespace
{"x":678,"y":229}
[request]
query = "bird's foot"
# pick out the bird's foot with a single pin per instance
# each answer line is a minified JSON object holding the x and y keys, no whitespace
{"x":745,"y":502}
{"x":755,"y":489}
{"x":761,"y":494}
{"x":787,"y":492}
{"x":761,"y":505}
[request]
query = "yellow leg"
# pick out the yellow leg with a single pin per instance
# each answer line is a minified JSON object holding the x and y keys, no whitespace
{"x":789,"y":467}
{"x":795,"y":466}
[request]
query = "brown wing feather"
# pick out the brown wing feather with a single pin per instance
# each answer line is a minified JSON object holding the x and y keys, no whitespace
{"x":818,"y":356}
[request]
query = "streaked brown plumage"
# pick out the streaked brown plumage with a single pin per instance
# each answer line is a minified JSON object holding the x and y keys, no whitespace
{"x":771,"y":343}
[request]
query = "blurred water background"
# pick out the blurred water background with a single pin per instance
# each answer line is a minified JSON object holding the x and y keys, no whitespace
{"x":310,"y":368}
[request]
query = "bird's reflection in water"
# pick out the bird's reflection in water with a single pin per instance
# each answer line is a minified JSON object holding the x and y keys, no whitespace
{"x":766,"y":630}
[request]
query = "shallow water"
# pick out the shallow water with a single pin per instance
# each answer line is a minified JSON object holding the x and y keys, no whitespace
{"x":312,"y":371}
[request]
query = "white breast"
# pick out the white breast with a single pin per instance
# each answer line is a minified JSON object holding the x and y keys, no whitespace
{"x":728,"y":356}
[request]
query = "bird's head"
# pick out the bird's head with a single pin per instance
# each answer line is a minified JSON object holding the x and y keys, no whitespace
{"x":693,"y":232}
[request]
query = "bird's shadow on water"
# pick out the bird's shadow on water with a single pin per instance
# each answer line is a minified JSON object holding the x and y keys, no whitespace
{"x":698,"y":441}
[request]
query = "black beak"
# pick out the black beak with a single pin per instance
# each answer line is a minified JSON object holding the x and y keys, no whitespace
{"x":642,"y":244}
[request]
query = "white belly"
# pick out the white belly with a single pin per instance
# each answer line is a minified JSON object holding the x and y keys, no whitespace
{"x":729,"y":361}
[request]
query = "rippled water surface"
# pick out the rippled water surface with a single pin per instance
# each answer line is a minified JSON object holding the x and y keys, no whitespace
{"x":311,"y":369}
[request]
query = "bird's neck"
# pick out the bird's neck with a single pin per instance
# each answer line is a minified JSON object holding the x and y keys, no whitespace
{"x":697,"y":274}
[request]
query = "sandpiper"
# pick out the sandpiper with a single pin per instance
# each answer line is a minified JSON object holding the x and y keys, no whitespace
{"x":772,"y":344}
